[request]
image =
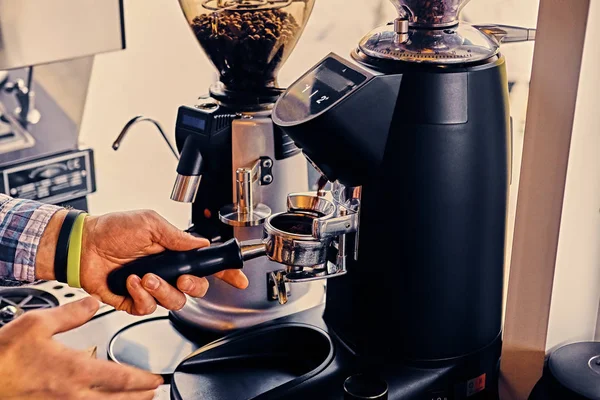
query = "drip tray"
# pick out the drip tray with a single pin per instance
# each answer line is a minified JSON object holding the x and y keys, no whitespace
{"x":248,"y":365}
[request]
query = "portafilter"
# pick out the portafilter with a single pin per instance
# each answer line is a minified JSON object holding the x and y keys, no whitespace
{"x":307,"y":239}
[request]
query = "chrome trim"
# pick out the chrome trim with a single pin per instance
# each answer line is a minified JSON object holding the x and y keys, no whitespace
{"x":186,"y":188}
{"x":232,"y":216}
{"x":246,"y":212}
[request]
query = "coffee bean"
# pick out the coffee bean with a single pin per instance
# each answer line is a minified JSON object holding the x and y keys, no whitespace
{"x":247,"y":47}
{"x":433,"y":11}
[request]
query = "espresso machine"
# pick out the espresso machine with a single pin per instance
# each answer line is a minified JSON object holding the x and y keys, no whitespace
{"x":236,"y":167}
{"x":47,"y":52}
{"x":413,"y":132}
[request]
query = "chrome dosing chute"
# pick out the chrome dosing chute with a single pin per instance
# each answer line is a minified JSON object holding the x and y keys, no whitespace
{"x":312,"y":240}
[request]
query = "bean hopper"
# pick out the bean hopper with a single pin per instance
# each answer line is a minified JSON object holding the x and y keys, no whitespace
{"x":413,"y":130}
{"x":236,"y":168}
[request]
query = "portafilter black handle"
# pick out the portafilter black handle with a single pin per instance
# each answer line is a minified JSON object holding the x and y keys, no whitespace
{"x":170,"y":265}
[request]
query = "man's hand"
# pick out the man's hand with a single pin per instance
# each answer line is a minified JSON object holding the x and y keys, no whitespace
{"x":33,"y":366}
{"x":111,"y":240}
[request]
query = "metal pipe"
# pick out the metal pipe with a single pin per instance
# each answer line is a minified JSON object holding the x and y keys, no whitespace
{"x":140,"y":118}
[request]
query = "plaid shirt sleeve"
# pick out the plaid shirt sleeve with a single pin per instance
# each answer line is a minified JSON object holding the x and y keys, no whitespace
{"x":22,"y":223}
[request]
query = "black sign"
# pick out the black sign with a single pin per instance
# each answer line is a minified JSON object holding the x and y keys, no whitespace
{"x":52,"y":180}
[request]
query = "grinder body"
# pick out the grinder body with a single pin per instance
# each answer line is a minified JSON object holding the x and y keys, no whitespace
{"x":430,"y":148}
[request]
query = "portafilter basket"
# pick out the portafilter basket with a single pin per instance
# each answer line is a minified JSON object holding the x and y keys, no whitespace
{"x":290,"y":237}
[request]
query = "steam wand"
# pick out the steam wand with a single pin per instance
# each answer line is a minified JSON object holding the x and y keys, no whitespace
{"x":135,"y":120}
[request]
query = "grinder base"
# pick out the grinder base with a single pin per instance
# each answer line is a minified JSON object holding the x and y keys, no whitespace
{"x":299,"y":357}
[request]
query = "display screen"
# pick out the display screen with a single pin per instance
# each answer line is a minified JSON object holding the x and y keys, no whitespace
{"x":193,"y":122}
{"x":322,"y":87}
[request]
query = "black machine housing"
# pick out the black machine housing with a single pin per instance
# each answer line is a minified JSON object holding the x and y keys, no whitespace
{"x":211,"y":122}
{"x":421,"y":306}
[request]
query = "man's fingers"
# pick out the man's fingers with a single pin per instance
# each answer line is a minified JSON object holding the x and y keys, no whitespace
{"x":172,"y":238}
{"x":235,"y":277}
{"x":70,"y":316}
{"x":168,"y":296}
{"x":113,"y":377}
{"x":143,"y":302}
{"x":192,"y":285}
{"x":140,"y":395}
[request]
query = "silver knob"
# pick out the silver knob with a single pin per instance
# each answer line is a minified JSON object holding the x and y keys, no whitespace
{"x":401,"y":28}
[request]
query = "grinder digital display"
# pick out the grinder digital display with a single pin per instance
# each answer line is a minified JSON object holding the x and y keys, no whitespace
{"x":339,"y":115}
{"x":322,"y":87}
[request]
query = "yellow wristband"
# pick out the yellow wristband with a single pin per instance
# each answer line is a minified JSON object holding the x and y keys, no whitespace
{"x":74,"y":252}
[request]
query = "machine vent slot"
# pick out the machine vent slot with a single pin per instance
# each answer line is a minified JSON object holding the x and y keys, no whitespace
{"x":223,"y":121}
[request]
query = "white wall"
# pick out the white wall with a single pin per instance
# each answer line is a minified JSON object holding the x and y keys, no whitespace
{"x":162,"y":68}
{"x":576,"y":291}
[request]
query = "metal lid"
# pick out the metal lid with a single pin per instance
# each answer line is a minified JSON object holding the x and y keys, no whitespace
{"x":457,"y":45}
{"x":576,"y":367}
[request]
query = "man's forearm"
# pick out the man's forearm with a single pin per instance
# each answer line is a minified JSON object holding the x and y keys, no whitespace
{"x":44,"y":261}
{"x":23,"y":223}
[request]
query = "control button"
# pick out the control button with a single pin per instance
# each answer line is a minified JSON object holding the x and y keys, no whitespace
{"x":438,"y":396}
{"x":476,"y":385}
{"x":70,"y":295}
{"x":363,"y":386}
{"x":13,"y":191}
{"x":58,"y":287}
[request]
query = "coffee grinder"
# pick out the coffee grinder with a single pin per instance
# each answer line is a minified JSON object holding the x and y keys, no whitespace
{"x":414,"y":133}
{"x":236,"y":167}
